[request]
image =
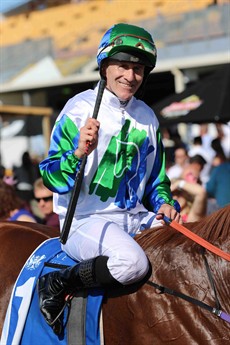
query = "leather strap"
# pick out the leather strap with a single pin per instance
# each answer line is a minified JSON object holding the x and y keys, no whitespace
{"x":197,"y":238}
{"x":76,"y":320}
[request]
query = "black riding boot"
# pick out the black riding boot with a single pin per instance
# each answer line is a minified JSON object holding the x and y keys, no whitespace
{"x":55,"y":286}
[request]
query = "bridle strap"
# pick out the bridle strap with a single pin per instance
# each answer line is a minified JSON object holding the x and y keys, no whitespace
{"x":210,"y":278}
{"x":164,"y":289}
{"x":214,"y":310}
{"x":197,"y":238}
{"x":224,"y":316}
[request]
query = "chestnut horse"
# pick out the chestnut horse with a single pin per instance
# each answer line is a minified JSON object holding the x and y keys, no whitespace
{"x":172,"y":308}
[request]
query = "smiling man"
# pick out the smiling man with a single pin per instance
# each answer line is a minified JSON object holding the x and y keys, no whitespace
{"x":124,"y":184}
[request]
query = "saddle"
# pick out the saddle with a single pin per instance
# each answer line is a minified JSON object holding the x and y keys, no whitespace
{"x":24,"y":323}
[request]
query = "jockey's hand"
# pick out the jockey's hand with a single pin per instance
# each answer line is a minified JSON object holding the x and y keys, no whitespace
{"x":170,"y":212}
{"x":88,"y":139}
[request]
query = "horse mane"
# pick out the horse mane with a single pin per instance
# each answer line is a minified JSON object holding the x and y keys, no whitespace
{"x":214,"y":228}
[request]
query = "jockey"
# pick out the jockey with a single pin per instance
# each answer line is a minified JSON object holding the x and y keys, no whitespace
{"x":125,"y":187}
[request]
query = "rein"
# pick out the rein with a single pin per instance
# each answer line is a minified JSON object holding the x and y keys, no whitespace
{"x":214,"y":310}
{"x":196,"y":238}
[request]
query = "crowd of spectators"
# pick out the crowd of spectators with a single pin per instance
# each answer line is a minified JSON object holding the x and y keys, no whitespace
{"x":24,"y":197}
{"x":199,"y":173}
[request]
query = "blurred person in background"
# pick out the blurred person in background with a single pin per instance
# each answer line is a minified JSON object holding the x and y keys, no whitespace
{"x":197,"y":148}
{"x":169,"y":147}
{"x":181,"y":161}
{"x":206,"y":136}
{"x":217,"y":147}
{"x":25,"y":175}
{"x":192,"y":198}
{"x":218,"y":186}
{"x":44,"y":199}
{"x":218,"y":159}
{"x":192,"y":172}
{"x":11,"y":206}
{"x":2,"y":171}
{"x":207,"y":153}
{"x":7,"y":176}
{"x":224,"y":137}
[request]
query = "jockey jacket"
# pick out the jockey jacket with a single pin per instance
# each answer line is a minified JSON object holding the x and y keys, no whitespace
{"x":125,"y":173}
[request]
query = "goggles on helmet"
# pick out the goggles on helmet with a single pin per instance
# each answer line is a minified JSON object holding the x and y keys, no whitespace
{"x":128,"y":43}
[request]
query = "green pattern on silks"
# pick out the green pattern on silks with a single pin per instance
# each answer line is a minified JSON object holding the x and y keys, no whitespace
{"x":59,"y":169}
{"x":117,"y":161}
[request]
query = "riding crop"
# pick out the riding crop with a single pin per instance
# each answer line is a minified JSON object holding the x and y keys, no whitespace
{"x":79,"y":176}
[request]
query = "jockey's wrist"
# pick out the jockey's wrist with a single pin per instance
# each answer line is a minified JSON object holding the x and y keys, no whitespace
{"x":78,"y":153}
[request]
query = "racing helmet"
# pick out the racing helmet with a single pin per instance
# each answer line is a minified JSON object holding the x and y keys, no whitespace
{"x":125,"y":42}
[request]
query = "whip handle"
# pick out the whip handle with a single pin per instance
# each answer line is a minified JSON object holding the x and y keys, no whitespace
{"x":79,"y":176}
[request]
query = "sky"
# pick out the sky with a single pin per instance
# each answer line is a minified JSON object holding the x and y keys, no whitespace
{"x":6,"y":5}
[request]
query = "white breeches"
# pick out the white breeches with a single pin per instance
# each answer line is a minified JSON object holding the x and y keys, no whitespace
{"x":109,"y":235}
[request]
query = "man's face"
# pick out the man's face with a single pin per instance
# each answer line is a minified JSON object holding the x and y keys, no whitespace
{"x":180,"y":157}
{"x":192,"y":172}
{"x":44,"y":198}
{"x":123,"y":78}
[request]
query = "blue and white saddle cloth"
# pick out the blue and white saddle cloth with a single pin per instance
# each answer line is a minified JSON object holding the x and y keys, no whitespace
{"x":24,"y":323}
